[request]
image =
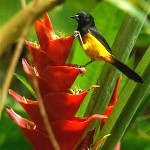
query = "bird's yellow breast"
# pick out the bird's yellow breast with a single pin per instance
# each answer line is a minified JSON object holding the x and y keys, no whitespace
{"x":93,"y":48}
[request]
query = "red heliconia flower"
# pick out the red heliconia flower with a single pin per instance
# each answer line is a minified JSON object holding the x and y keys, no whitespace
{"x":55,"y":79}
{"x":67,"y":132}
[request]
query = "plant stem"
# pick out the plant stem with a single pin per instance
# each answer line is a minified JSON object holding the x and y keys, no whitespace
{"x":124,"y":96}
{"x":128,"y":112}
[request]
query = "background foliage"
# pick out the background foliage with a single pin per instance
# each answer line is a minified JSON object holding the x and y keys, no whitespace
{"x":108,"y":17}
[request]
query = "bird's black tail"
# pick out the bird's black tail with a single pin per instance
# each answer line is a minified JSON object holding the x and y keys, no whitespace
{"x":126,"y":70}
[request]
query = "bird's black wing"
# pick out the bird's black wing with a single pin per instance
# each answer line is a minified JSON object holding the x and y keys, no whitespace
{"x":99,"y":37}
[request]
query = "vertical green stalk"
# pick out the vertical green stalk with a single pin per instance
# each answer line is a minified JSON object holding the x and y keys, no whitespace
{"x":124,"y":96}
{"x":128,"y":112}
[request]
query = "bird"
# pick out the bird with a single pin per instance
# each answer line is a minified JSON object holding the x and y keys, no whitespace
{"x":96,"y":47}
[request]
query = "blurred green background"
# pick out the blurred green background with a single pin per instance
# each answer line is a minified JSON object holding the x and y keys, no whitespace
{"x":108,"y":18}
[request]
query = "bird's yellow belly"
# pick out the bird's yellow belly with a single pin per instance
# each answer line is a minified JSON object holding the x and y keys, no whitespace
{"x":93,"y":48}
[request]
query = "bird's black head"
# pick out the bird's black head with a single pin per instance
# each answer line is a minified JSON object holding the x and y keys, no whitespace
{"x":84,"y":19}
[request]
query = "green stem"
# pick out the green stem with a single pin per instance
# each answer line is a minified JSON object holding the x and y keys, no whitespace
{"x":124,"y":96}
{"x":128,"y":112}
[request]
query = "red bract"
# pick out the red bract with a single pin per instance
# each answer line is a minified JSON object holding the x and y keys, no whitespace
{"x":55,"y":79}
{"x":38,"y":139}
{"x":57,"y":105}
{"x":40,"y":58}
{"x":118,"y":146}
{"x":56,"y":48}
{"x":67,"y":132}
{"x":113,"y":99}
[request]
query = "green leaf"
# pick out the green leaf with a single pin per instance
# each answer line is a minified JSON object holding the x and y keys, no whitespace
{"x":23,"y":80}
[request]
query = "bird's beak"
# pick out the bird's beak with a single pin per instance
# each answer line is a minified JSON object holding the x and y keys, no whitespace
{"x":75,"y":17}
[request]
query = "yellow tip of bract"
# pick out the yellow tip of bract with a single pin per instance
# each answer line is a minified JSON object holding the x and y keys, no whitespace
{"x":106,"y":136}
{"x":35,"y":71}
{"x":24,"y":99}
{"x":27,"y":126}
{"x":35,"y":45}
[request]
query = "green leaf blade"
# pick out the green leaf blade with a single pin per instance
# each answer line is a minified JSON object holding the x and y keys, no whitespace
{"x":23,"y":80}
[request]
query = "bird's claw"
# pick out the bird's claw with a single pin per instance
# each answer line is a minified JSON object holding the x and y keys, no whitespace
{"x":76,"y":33}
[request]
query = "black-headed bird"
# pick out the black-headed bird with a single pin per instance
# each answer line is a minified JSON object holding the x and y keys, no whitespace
{"x":96,"y":47}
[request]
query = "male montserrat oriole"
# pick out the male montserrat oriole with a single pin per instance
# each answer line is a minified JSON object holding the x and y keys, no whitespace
{"x":96,"y":47}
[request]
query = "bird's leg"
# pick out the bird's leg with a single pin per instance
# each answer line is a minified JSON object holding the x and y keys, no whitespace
{"x":88,"y":63}
{"x":77,"y":33}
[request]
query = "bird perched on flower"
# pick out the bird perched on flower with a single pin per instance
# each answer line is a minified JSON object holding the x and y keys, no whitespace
{"x":96,"y":47}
